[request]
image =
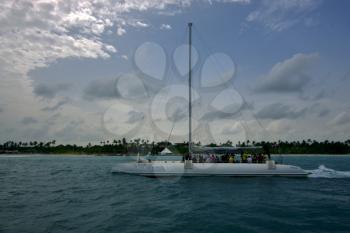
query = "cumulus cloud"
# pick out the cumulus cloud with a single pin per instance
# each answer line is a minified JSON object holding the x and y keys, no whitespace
{"x":279,"y":111}
{"x":289,"y":75}
{"x":278,"y":15}
{"x":101,"y":89}
{"x":36,"y":33}
{"x":28,"y":120}
{"x":49,"y":90}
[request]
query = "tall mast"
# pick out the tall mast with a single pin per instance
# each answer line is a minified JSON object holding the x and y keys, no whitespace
{"x":189,"y":90}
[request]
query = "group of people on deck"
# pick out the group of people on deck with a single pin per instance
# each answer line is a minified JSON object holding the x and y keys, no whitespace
{"x":229,"y":158}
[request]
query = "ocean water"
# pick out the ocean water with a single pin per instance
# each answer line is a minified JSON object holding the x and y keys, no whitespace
{"x":49,"y":193}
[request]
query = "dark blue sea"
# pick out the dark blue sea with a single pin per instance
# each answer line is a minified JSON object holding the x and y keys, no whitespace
{"x":46,"y":193}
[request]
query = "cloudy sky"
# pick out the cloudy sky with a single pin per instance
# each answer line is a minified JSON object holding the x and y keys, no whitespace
{"x":85,"y":71}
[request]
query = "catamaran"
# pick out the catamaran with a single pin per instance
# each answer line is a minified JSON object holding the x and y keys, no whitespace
{"x":191,"y":167}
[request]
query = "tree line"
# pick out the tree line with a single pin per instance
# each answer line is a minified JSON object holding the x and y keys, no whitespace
{"x":142,"y":146}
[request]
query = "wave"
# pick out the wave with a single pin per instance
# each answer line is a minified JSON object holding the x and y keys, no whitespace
{"x":324,"y":172}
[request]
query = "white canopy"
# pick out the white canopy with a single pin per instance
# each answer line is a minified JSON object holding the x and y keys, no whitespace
{"x":166,"y":151}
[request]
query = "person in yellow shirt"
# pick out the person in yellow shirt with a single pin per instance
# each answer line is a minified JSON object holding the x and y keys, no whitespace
{"x":231,"y":159}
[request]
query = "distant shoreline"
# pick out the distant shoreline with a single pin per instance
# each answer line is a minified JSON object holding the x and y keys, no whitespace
{"x":134,"y":155}
{"x":125,"y":147}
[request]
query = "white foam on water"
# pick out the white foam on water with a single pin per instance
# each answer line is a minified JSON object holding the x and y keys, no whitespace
{"x":323,"y":172}
{"x":12,"y":156}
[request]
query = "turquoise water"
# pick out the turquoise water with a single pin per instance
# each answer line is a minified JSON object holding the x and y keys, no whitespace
{"x":81,"y":194}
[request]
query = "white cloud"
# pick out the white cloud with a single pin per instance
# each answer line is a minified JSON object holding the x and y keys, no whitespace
{"x":120,"y":31}
{"x":110,"y":48}
{"x":289,"y":75}
{"x":278,"y":15}
{"x":36,"y":33}
{"x":165,"y":27}
{"x":140,"y":24}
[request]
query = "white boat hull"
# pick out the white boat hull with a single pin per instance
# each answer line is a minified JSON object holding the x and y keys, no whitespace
{"x":168,"y":169}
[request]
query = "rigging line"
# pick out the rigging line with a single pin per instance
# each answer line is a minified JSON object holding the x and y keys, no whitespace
{"x":171,"y":131}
